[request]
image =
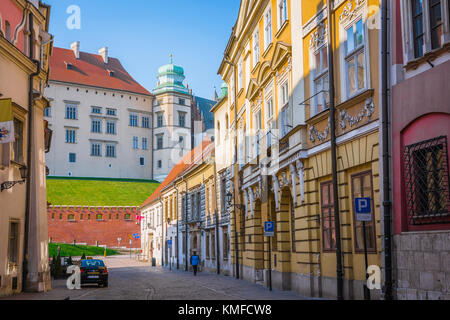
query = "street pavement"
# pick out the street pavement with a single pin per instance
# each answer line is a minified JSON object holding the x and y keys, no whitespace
{"x":130,"y":279}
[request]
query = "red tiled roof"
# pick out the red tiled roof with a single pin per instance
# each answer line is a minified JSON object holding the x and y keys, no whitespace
{"x":190,"y":160}
{"x":90,"y":70}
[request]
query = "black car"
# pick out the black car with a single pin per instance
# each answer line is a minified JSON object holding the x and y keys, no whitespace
{"x":94,"y":271}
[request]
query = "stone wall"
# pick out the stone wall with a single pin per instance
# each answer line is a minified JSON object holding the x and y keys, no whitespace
{"x":87,"y":229}
{"x":423,"y":265}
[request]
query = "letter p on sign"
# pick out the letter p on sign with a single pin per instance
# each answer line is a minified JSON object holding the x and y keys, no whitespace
{"x":363,"y":209}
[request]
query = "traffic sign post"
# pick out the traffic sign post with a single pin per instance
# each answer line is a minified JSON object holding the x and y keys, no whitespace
{"x":269,"y":231}
{"x":363,"y":213}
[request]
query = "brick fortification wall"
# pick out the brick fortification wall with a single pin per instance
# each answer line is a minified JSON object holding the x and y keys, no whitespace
{"x":84,"y":225}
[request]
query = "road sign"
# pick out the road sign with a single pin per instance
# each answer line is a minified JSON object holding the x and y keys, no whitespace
{"x":169,"y":243}
{"x":269,"y":229}
{"x":363,"y":209}
{"x":136,"y":235}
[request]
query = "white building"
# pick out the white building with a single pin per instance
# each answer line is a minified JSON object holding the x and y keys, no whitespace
{"x":101,"y":117}
{"x":107,"y":125}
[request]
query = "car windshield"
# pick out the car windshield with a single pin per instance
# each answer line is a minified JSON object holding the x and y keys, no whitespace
{"x":92,"y":263}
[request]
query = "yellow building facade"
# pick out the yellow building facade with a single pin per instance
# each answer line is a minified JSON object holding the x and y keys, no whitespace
{"x":280,"y":136}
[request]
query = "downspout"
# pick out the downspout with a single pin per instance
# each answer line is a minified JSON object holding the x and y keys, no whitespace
{"x":178,"y":232}
{"x":217,"y":217}
{"x":163,"y":246}
{"x":387,"y":205}
{"x":29,"y":150}
{"x":337,"y":223}
{"x":186,"y":268}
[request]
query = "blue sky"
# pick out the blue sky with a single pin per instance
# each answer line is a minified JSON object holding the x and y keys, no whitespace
{"x":143,"y":33}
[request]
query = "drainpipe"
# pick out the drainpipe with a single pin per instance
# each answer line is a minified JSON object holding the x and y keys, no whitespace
{"x":387,"y":205}
{"x":178,"y":232}
{"x":186,"y":268}
{"x":29,"y":151}
{"x":163,"y":246}
{"x":337,"y":223}
{"x":217,"y":219}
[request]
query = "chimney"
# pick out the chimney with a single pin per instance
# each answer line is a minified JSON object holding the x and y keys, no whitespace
{"x":104,"y":53}
{"x":75,"y":46}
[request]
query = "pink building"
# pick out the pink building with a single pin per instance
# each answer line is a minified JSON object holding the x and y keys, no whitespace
{"x":420,"y":79}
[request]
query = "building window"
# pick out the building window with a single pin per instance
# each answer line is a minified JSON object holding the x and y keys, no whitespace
{"x":321,"y":84}
{"x":181,"y":142}
{"x":96,"y":149}
{"x":71,"y":217}
{"x":13,"y":247}
{"x":48,"y":112}
{"x":159,"y":119}
{"x":426,"y":182}
{"x":225,"y":243}
{"x":267,"y":28}
{"x":182,"y":119}
{"x":327,"y":207}
{"x":18,"y":142}
{"x":110,"y":151}
{"x":96,"y":126}
{"x":255,"y":48}
{"x":127,"y":216}
{"x":146,"y":122}
{"x":133,"y":120}
{"x":159,"y":164}
{"x":286,"y":115}
{"x":199,"y":204}
{"x":72,"y":157}
{"x":418,"y":34}
{"x":271,"y":122}
{"x":135,"y":143}
{"x":96,"y":110}
{"x":282,"y":12}
{"x":110,"y":127}
{"x":207,"y":245}
{"x":71,"y":136}
{"x":111,"y":112}
{"x":71,"y":112}
{"x":99,"y":217}
{"x":362,"y":188}
{"x":223,"y":193}
{"x":144,"y":143}
{"x":8,"y":31}
{"x":142,"y":161}
{"x":258,"y":127}
{"x":213,"y":245}
{"x":435,"y":23}
{"x":354,"y":59}
{"x":159,"y":142}
{"x":181,"y":102}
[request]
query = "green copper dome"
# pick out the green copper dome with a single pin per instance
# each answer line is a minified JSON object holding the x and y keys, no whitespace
{"x":170,"y":79}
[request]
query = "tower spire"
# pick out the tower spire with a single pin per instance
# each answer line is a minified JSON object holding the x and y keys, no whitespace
{"x":171,"y":59}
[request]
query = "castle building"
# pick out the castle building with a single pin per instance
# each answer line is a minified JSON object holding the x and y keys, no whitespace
{"x":107,"y":125}
{"x":100,"y":115}
{"x":181,"y":119}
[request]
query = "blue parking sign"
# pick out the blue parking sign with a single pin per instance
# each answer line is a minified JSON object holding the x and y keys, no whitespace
{"x":269,"y":228}
{"x":363,"y":209}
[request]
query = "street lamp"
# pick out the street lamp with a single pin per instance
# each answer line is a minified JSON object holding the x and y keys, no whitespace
{"x":229,"y":197}
{"x":9,"y":184}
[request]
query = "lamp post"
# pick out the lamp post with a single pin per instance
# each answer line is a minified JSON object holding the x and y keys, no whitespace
{"x":9,"y":184}
{"x":229,"y":196}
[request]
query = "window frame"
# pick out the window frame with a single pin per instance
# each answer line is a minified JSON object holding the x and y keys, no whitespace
{"x":72,"y":155}
{"x":71,"y":111}
{"x":320,"y":74}
{"x":268,"y":38}
{"x":134,"y":120}
{"x":353,"y":56}
{"x":96,"y":146}
{"x":94,"y":127}
{"x":108,"y":148}
{"x":330,"y":208}
{"x":14,"y":242}
{"x":372,"y":225}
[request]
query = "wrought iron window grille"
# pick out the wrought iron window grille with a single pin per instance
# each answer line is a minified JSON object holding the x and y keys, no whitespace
{"x":426,"y":182}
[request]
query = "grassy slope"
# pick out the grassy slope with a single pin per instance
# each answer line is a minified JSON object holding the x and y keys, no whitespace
{"x":77,"y":251}
{"x":98,"y":193}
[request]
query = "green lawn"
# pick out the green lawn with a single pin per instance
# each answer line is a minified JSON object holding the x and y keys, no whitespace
{"x":77,"y":251}
{"x":98,"y":192}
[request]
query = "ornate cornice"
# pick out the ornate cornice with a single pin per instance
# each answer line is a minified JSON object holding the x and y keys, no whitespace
{"x":367,"y":111}
{"x":314,"y":134}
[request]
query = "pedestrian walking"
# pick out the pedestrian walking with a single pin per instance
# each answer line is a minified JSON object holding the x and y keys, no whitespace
{"x":194,"y":262}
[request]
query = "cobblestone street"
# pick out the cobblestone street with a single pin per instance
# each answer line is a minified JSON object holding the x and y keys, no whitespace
{"x":133,"y":280}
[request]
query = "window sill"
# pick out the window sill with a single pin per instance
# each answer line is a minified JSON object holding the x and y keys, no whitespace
{"x":357,"y":98}
{"x":266,"y":51}
{"x":281,"y":29}
{"x":427,"y":57}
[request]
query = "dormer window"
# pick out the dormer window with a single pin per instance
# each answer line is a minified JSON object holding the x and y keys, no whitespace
{"x":111,"y":72}
{"x":69,"y":66}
